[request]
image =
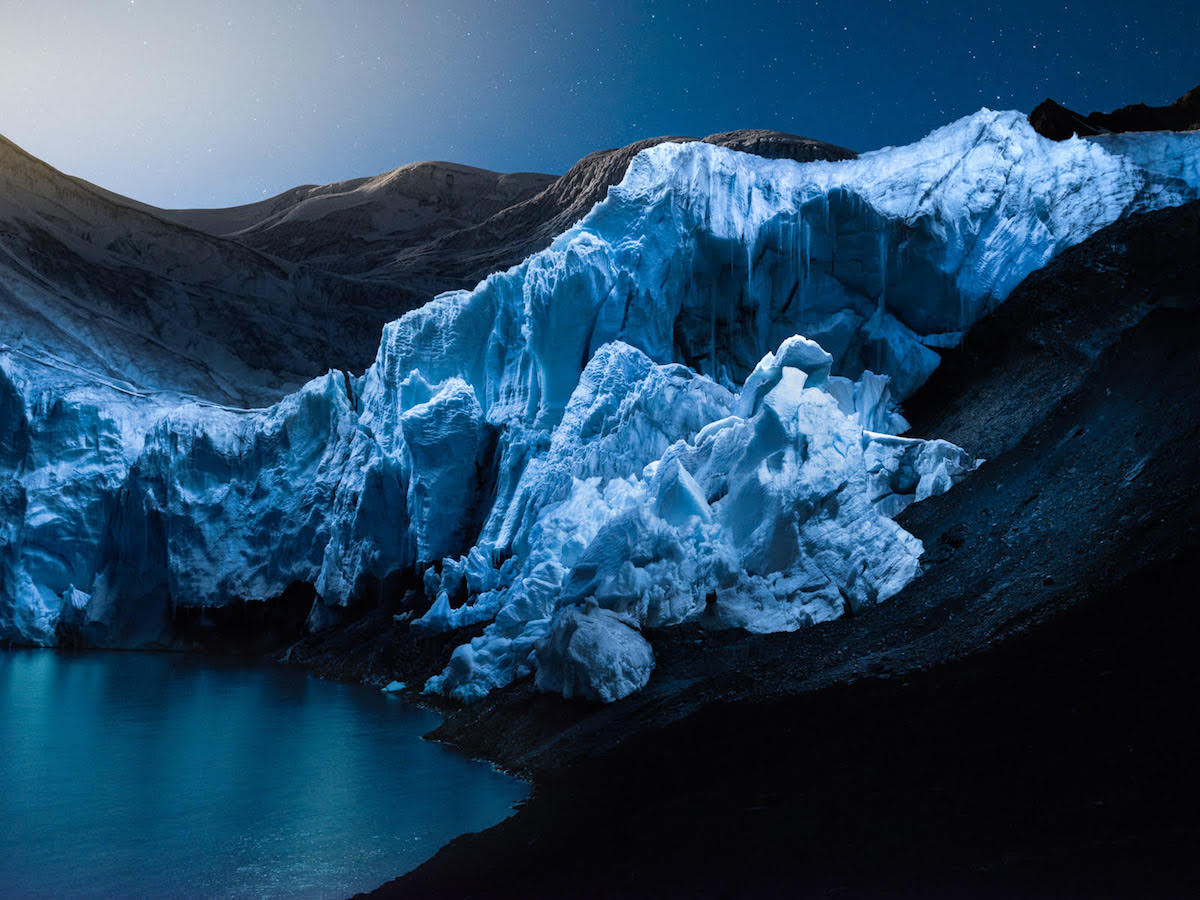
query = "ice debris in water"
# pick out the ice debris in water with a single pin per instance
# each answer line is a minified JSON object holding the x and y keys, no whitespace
{"x":622,"y":432}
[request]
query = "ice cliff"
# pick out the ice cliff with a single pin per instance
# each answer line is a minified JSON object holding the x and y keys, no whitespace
{"x":686,"y":407}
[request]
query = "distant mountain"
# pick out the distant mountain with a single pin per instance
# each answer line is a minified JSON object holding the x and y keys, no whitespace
{"x":1052,"y":120}
{"x":435,"y":226}
{"x":104,"y":288}
{"x":525,"y":228}
{"x":240,"y":305}
{"x":352,"y":227}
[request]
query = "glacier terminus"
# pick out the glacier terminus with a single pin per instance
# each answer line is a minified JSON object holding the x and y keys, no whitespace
{"x":688,"y":407}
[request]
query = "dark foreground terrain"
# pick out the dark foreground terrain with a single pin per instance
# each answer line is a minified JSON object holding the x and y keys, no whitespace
{"x":1062,"y":764}
{"x":1020,"y":721}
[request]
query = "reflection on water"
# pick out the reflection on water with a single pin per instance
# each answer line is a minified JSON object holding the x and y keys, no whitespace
{"x":137,"y":774}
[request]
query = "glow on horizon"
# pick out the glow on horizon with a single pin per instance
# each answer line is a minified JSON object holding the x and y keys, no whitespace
{"x":220,"y":102}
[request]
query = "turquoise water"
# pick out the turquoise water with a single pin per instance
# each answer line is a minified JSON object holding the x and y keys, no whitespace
{"x":161,"y":775}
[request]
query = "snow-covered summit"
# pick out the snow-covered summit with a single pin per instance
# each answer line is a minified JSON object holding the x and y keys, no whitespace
{"x":684,"y":408}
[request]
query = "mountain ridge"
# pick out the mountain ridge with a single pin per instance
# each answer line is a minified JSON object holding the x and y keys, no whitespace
{"x":254,"y":300}
{"x":1055,"y":121}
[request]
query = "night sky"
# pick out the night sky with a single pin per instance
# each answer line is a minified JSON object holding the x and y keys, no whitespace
{"x":226,"y":101}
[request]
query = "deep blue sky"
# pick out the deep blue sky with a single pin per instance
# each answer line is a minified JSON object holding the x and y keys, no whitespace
{"x":218,"y":102}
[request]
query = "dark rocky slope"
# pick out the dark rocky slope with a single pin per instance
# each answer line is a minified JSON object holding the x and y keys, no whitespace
{"x":1058,"y":123}
{"x":355,"y":226}
{"x":90,"y":282}
{"x":1020,"y":720}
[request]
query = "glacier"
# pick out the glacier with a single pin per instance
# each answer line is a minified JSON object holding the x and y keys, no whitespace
{"x":688,"y":407}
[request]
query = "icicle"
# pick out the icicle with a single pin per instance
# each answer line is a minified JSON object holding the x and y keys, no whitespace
{"x":883,"y":257}
{"x":805,"y":287}
{"x":749,"y":299}
{"x":750,"y":268}
{"x":712,"y":330}
{"x":795,"y":269}
{"x":807,"y":251}
{"x":831,"y":233}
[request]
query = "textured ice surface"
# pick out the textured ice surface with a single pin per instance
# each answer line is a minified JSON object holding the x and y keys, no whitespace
{"x":623,"y":431}
{"x":593,"y":653}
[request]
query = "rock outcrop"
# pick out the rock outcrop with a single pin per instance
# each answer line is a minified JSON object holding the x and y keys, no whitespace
{"x":1052,"y":120}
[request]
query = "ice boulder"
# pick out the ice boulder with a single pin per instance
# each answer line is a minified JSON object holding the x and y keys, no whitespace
{"x":592,"y":653}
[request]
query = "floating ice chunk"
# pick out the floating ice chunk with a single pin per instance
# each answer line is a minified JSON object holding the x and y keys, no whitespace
{"x":393,"y":687}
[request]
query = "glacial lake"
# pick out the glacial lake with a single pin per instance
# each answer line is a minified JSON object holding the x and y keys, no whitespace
{"x":164,"y":775}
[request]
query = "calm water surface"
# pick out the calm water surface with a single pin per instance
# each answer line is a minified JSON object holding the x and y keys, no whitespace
{"x":160,"y":775}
